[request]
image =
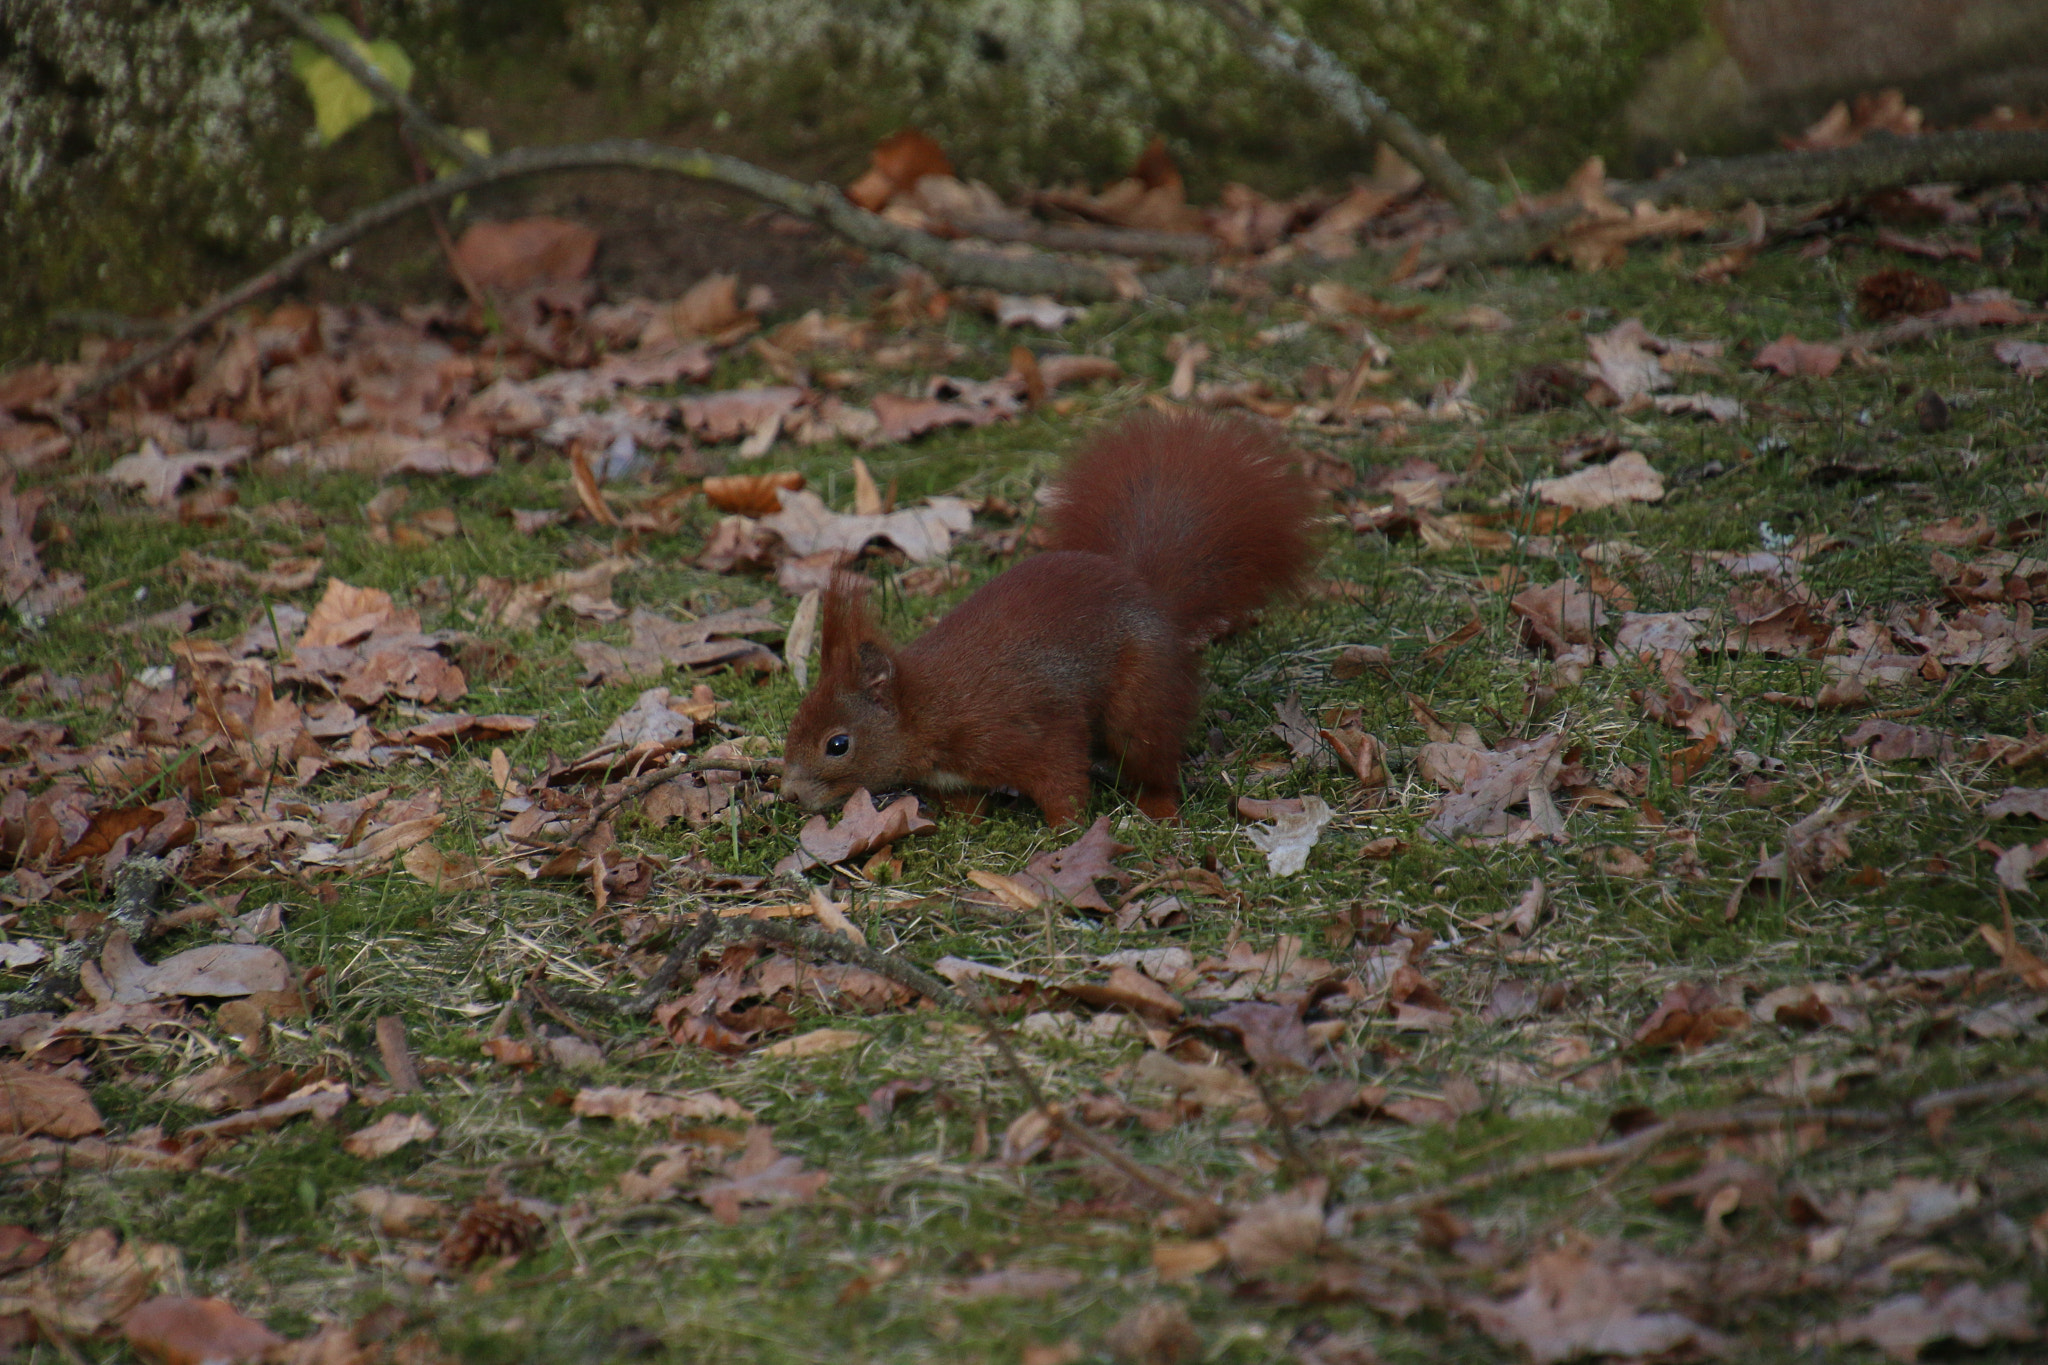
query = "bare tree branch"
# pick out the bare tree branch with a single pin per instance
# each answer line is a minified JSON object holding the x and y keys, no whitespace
{"x":1878,"y":162}
{"x":1359,"y":107}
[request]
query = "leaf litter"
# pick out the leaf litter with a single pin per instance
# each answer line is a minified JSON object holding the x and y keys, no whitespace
{"x":1736,"y":718}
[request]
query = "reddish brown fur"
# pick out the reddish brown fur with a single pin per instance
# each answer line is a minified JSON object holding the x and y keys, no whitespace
{"x":1167,"y":532}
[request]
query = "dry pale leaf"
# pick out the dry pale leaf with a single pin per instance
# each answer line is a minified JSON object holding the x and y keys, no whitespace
{"x":637,"y":1106}
{"x":1292,"y":835}
{"x":1628,"y":477}
{"x":387,"y":1135}
{"x":924,"y":533}
{"x":817,"y":1043}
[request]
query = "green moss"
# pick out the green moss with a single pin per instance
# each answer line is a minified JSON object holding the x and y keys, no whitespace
{"x":152,"y":153}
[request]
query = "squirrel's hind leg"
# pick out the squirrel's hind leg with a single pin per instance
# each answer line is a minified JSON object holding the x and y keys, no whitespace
{"x":1055,"y":776}
{"x":1145,"y":725}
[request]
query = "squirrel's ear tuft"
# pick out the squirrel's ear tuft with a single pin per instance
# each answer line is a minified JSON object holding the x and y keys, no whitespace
{"x":846,"y":619}
{"x":877,"y":674}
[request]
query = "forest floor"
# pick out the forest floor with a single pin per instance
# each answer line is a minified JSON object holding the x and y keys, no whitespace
{"x":1767,"y":924}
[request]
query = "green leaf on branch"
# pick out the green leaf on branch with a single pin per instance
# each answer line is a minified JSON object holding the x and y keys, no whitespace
{"x":339,"y":100}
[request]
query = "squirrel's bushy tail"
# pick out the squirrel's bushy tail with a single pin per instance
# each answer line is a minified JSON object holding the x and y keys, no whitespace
{"x":1209,"y":511}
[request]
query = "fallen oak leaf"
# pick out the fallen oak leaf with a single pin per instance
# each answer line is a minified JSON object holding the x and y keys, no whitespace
{"x":862,"y":830}
{"x":924,"y":533}
{"x":760,"y":1175}
{"x":1070,"y":874}
{"x":2019,"y":801}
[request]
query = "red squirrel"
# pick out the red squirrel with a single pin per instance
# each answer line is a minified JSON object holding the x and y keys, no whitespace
{"x":1165,"y":533}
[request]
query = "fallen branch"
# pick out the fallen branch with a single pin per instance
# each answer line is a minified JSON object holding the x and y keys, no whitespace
{"x":1359,"y":107}
{"x":1194,"y":246}
{"x":1876,"y":163}
{"x":821,"y":203}
{"x":1709,"y":1123}
{"x":912,"y":977}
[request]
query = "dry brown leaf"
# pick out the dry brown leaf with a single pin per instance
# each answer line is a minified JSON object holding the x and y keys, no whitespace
{"x":924,"y":533}
{"x":1562,"y":617}
{"x":751,"y":495}
{"x":2028,"y":358}
{"x":526,"y":252}
{"x":1158,"y":1332}
{"x":1070,"y":874}
{"x":395,"y":1213}
{"x":1790,"y":356}
{"x":712,"y":308}
{"x":35,"y":1101}
{"x":820,"y":1042}
{"x":160,"y":477}
{"x":899,"y":161}
{"x":1277,"y":1230}
{"x":181,"y":1331}
{"x":2019,"y":801}
{"x":1691,"y":1016}
{"x":1491,"y":781}
{"x":862,"y":830}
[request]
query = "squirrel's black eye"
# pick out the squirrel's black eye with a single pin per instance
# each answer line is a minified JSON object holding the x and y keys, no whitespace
{"x":837,"y":746}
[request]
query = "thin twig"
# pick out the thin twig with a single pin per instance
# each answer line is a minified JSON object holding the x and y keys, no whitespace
{"x":377,"y":83}
{"x":1360,"y":107}
{"x":648,"y":781}
{"x":540,"y":995}
{"x":1720,"y":1122}
{"x":683,"y":955}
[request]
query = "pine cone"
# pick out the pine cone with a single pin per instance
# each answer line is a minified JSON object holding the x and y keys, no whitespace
{"x":1899,"y":294}
{"x":490,"y":1228}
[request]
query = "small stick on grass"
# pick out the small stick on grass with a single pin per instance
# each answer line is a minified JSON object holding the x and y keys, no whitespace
{"x":1718,"y":1122}
{"x":924,"y":983}
{"x":648,"y":781}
